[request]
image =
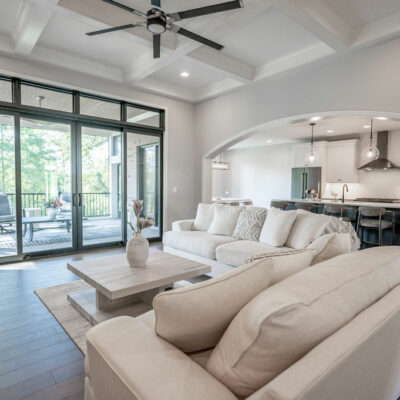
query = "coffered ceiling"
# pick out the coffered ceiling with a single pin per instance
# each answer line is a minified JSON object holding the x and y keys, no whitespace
{"x":263,"y":39}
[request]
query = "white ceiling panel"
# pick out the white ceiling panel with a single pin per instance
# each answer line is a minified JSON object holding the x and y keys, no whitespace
{"x":8,"y":14}
{"x":269,"y":36}
{"x":199,"y":78}
{"x":360,"y":12}
{"x":65,"y":34}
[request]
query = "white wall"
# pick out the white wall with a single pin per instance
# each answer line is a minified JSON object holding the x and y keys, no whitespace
{"x":179,"y":166}
{"x":260,"y":174}
{"x":366,"y":80}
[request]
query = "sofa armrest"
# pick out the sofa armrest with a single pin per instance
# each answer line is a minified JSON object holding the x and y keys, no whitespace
{"x":183,"y":225}
{"x":126,"y":360}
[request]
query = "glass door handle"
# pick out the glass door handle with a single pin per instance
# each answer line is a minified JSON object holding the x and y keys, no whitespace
{"x":79,"y":199}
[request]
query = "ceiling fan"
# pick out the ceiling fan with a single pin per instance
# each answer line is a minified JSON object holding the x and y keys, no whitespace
{"x":157,"y":21}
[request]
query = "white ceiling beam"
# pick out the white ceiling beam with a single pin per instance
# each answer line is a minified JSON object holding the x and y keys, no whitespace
{"x":32,"y":18}
{"x":293,"y":60}
{"x":216,"y":89}
{"x":163,"y":88}
{"x":219,"y":62}
{"x":378,"y":30}
{"x":320,"y":20}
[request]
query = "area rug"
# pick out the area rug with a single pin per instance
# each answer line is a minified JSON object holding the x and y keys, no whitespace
{"x":55,"y":299}
{"x":74,"y":324}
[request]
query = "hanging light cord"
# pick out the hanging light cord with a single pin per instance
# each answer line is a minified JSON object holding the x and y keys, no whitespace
{"x":312,"y":137}
{"x":370,"y":137}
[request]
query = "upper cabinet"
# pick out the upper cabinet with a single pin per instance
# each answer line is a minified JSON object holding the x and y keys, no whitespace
{"x":300,"y":151}
{"x":342,"y":161}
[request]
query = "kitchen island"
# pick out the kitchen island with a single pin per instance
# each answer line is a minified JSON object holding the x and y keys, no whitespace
{"x":347,"y":202}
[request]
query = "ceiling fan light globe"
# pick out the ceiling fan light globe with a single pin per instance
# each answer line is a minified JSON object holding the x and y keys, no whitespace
{"x":156,"y":26}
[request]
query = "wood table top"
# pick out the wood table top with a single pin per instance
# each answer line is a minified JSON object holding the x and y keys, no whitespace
{"x":114,"y":278}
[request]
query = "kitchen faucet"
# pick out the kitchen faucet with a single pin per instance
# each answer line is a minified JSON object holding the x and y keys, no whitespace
{"x":347,"y":189}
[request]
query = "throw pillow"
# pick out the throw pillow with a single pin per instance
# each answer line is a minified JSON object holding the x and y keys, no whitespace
{"x":225,"y":220}
{"x":307,"y":227}
{"x":287,"y":320}
{"x":277,"y":226}
{"x":204,"y":217}
{"x":250,"y":223}
{"x":195,"y":317}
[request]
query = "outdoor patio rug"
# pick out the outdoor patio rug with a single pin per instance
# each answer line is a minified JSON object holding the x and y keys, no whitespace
{"x":55,"y":299}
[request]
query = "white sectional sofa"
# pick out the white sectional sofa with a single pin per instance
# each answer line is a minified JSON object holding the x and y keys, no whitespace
{"x":327,"y":332}
{"x":216,"y":239}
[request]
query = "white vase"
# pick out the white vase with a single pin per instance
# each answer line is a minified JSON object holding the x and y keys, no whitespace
{"x":137,"y":251}
{"x":51,"y":213}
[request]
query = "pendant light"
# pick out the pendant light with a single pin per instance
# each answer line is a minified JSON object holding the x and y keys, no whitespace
{"x":220,"y":164}
{"x":370,"y":152}
{"x":312,"y":156}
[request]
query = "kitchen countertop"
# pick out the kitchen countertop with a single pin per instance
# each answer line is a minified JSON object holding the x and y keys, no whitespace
{"x":347,"y":202}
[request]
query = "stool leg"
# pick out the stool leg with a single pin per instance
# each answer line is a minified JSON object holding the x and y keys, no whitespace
{"x":380,"y":236}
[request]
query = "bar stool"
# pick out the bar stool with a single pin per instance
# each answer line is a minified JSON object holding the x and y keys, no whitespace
{"x":279,"y":204}
{"x":306,"y":206}
{"x":339,"y":209}
{"x":374,"y":221}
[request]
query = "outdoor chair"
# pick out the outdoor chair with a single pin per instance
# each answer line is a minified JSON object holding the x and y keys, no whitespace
{"x":6,"y":216}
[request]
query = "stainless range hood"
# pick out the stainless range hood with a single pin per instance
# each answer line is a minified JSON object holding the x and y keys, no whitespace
{"x":382,"y":162}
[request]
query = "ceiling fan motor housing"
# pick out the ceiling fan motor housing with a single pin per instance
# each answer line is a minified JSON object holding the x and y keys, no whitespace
{"x":156,"y":22}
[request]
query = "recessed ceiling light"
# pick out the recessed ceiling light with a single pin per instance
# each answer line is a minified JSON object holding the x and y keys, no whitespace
{"x":269,"y":141}
{"x":367,"y":126}
{"x":185,"y":74}
{"x":330,"y":131}
{"x":381,"y":118}
{"x":315,"y":119}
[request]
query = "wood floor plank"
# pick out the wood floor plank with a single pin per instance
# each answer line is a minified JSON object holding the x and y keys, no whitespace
{"x":61,"y":390}
{"x":27,"y":387}
{"x":68,"y":370}
{"x":20,"y":375}
{"x":35,"y":356}
{"x":17,"y":349}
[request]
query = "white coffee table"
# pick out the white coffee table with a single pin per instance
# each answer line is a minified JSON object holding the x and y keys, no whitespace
{"x":118,"y":289}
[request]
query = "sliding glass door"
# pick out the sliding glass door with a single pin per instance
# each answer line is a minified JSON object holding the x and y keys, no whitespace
{"x":8,"y":235}
{"x":100,"y":197}
{"x":144,"y":179}
{"x":46,"y":185}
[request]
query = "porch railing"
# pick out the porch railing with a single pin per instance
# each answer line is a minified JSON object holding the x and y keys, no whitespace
{"x":96,"y":204}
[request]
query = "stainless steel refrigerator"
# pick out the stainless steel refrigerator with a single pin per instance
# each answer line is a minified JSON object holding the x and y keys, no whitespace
{"x":303,"y":179}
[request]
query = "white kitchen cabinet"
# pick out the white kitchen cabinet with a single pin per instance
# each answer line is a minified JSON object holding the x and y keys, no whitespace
{"x":343,"y":161}
{"x":300,"y":151}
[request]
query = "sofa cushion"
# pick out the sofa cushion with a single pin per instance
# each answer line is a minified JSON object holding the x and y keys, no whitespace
{"x":250,"y":223}
{"x":225,"y":220}
{"x":200,"y":243}
{"x":240,"y":252}
{"x":277,"y":227}
{"x":284,"y":322}
{"x":195,"y":317}
{"x":204,"y":217}
{"x":306,"y":228}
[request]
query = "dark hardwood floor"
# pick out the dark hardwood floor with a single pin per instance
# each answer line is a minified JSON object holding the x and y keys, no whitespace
{"x":37,"y":358}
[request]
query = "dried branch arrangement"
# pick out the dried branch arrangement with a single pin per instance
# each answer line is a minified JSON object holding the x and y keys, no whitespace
{"x":135,"y":209}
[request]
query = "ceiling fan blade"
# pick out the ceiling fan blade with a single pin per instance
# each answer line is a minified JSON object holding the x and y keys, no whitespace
{"x":216,"y":8}
{"x":126,"y":8}
{"x":116,"y":28}
{"x":156,"y":46}
{"x":156,"y":3}
{"x":196,"y":37}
